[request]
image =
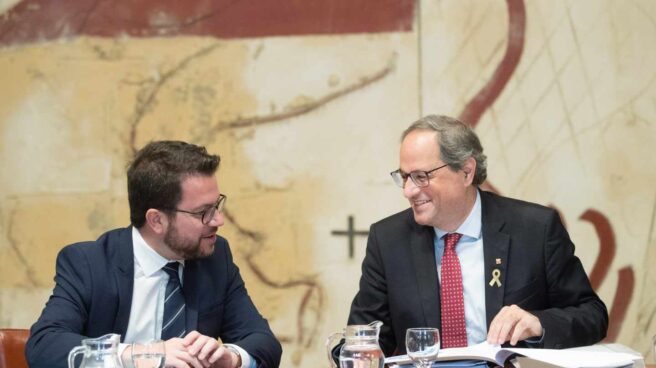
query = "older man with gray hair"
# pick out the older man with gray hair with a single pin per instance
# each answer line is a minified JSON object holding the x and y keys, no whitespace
{"x":474,"y":264}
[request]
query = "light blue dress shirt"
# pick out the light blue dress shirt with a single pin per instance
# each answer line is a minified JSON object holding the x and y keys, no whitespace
{"x":470,"y":254}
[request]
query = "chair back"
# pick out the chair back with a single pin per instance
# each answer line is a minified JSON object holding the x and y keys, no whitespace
{"x":12,"y":347}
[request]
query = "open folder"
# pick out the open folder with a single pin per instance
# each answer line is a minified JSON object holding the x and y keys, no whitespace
{"x":566,"y":358}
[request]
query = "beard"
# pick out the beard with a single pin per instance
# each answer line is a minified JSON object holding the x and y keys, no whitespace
{"x":187,"y":248}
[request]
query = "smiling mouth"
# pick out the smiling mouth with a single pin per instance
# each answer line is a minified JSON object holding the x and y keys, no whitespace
{"x":420,"y":202}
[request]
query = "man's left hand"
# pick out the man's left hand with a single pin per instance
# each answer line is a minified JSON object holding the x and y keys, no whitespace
{"x":210,"y":352}
{"x":513,"y":324}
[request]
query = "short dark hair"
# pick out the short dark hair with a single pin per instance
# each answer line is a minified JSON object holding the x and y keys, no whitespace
{"x":457,"y":142}
{"x":157,"y":171}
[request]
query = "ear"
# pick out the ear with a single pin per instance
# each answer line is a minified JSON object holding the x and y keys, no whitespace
{"x":157,"y":221}
{"x":469,"y":170}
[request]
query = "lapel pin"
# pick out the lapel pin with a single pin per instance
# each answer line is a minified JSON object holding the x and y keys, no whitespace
{"x":498,"y":261}
{"x":496,"y":278}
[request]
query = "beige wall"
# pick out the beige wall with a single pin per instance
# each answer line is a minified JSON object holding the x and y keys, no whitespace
{"x":574,"y":128}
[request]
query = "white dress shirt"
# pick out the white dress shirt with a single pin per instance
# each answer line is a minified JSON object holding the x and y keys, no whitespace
{"x":147,"y":310}
{"x":470,"y":254}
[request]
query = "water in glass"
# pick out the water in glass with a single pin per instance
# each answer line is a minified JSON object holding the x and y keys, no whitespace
{"x":361,"y":357}
{"x":148,"y":360}
{"x":422,"y":345}
{"x":150,"y":354}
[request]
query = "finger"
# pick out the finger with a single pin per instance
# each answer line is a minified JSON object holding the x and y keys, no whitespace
{"x":194,"y":362}
{"x":495,"y":326}
{"x":176,"y":360}
{"x":191,"y":337}
{"x":174,"y":349}
{"x":505,"y":323}
{"x":519,"y":332}
{"x":204,"y":363}
{"x":175,"y":363}
{"x":208,"y":348}
{"x":505,"y":330}
{"x":516,"y":317}
{"x":529,"y":326}
{"x":189,"y":360}
{"x":219,"y":354}
{"x":197,"y":345}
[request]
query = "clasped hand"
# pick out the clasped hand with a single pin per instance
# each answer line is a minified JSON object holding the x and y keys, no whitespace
{"x":513,"y":324}
{"x":199,"y":351}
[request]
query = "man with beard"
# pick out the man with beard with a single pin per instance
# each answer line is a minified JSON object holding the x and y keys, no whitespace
{"x":168,"y":276}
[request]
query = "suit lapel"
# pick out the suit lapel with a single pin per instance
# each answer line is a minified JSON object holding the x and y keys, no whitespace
{"x":423,"y":257}
{"x":124,"y":263}
{"x":191,"y":295}
{"x":495,"y":249}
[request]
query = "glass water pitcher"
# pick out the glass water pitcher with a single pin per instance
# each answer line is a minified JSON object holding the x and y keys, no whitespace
{"x":360,"y":348}
{"x":100,"y":352}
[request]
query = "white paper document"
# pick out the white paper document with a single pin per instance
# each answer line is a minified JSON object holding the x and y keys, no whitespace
{"x":566,"y":358}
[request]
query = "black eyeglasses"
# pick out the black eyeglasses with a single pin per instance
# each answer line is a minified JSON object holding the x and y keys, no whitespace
{"x":207,"y":214}
{"x":420,"y":178}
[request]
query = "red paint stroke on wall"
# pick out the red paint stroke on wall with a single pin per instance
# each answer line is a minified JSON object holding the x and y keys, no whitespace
{"x":471,"y":115}
{"x":626,"y":279}
{"x":482,"y":101}
{"x":606,"y":245}
{"x":621,"y":301}
{"x":43,"y":20}
{"x":514,"y":49}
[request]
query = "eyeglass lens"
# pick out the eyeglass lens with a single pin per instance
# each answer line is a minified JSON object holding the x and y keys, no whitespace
{"x":209,"y":214}
{"x":419,"y":178}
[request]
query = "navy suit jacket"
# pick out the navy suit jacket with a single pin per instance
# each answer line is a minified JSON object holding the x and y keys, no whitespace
{"x":539,"y":273}
{"x":93,"y":297}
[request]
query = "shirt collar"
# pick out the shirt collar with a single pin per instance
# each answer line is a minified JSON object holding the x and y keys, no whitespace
{"x":149,"y":260}
{"x":471,"y":227}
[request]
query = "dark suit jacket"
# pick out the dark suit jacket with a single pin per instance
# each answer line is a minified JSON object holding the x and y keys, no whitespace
{"x":539,"y":273}
{"x":93,"y":297}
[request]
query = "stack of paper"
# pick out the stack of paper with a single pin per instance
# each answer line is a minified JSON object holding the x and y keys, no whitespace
{"x":588,"y":357}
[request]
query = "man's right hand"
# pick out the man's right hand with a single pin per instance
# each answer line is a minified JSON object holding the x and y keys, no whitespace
{"x":210,"y":352}
{"x":513,"y":324}
{"x":177,"y":355}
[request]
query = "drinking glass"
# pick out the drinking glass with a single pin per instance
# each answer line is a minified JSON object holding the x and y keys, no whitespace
{"x":422,"y":345}
{"x":151,"y":354}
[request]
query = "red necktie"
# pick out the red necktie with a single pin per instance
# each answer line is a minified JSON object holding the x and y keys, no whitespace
{"x":454,"y":333}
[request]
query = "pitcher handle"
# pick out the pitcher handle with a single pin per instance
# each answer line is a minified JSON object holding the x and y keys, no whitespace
{"x":375,"y":324}
{"x":71,"y":356}
{"x":329,"y":345}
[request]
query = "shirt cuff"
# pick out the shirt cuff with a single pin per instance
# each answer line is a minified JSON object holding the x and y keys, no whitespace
{"x":534,"y":342}
{"x":247,"y":361}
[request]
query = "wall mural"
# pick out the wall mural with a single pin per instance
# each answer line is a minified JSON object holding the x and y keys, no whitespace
{"x":472,"y":114}
{"x":305,"y":102}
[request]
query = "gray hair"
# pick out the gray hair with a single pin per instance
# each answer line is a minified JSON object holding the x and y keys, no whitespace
{"x":457,"y":143}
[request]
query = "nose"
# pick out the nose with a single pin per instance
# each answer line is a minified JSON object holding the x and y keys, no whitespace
{"x":410,"y":189}
{"x":218,"y":219}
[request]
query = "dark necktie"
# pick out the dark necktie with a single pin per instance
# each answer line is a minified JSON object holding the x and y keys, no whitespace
{"x":454,"y":333}
{"x":173,"y":323}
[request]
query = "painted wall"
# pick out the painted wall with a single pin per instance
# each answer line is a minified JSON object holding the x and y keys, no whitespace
{"x":305,"y":102}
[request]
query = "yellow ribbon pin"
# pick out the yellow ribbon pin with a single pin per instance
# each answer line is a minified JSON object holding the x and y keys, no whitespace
{"x":496,"y":274}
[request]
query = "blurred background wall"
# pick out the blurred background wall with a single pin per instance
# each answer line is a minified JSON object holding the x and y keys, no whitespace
{"x":305,"y":102}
